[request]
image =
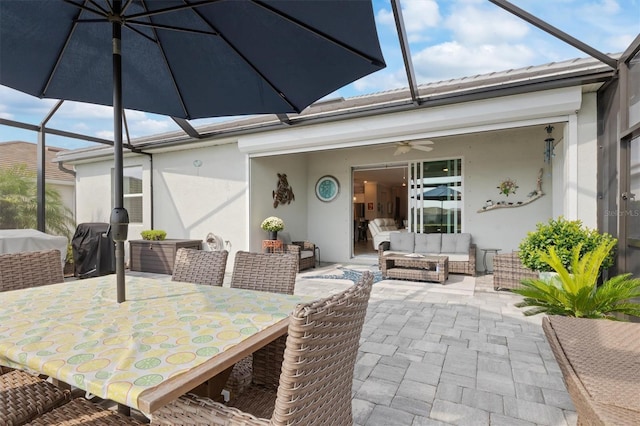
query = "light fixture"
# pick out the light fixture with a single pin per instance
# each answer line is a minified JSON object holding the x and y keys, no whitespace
{"x":404,"y":179}
{"x":548,"y":145}
{"x":446,"y":169}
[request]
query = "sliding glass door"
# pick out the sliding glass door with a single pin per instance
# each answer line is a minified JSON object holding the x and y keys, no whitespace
{"x":435,"y":196}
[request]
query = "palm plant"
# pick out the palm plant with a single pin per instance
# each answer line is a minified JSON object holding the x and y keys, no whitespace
{"x":18,"y":203}
{"x":576,"y":293}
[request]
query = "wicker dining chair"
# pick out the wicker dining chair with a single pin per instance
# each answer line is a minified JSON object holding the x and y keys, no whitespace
{"x":82,"y":412}
{"x":199,"y":266}
{"x":23,"y":396}
{"x":30,"y":269}
{"x":276,"y":273}
{"x":317,"y":371}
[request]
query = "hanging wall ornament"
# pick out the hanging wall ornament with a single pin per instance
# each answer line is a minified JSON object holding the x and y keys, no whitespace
{"x":283,"y":193}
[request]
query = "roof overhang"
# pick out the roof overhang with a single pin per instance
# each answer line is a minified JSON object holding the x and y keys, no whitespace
{"x":460,"y":118}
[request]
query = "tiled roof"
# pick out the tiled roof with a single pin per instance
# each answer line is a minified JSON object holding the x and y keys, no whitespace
{"x":17,"y":152}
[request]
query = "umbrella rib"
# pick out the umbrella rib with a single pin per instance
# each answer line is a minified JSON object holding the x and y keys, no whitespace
{"x":248,"y":62}
{"x":164,"y":58}
{"x":170,"y":27}
{"x":193,"y":5}
{"x":44,"y":89}
{"x":319,"y":33}
{"x":100,"y":11}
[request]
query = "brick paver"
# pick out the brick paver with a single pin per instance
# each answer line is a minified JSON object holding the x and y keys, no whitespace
{"x":458,"y":354}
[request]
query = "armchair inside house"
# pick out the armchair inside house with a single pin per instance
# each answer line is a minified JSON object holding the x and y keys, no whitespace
{"x":305,"y":250}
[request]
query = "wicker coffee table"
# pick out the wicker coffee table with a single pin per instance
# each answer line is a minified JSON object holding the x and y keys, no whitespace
{"x":416,"y":268}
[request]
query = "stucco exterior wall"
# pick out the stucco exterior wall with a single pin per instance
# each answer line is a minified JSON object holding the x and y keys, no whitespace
{"x":232,"y":191}
{"x":189,"y":201}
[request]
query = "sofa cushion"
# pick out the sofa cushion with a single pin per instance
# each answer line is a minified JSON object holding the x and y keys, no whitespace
{"x":402,"y":241}
{"x":456,"y":243}
{"x":306,"y":253}
{"x":428,"y":243}
{"x":456,"y":257}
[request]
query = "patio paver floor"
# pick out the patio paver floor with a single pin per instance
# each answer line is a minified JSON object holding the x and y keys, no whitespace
{"x":458,"y":354}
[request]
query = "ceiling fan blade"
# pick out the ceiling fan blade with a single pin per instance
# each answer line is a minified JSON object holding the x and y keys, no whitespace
{"x":402,"y":149}
{"x":423,"y":148}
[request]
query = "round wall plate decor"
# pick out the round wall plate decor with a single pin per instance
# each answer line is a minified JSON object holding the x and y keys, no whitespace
{"x":327,"y":188}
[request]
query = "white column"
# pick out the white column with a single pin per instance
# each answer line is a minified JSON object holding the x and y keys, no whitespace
{"x":571,"y":169}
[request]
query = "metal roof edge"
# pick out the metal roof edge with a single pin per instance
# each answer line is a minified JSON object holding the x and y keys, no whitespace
{"x":581,"y":71}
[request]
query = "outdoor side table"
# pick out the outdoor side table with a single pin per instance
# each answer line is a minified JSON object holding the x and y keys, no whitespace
{"x":493,"y":251}
{"x":272,"y":246}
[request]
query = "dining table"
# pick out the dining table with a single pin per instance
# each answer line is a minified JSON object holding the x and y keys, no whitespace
{"x":166,"y":339}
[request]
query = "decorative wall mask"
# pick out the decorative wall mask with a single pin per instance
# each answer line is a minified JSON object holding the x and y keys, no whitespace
{"x":283,"y":193}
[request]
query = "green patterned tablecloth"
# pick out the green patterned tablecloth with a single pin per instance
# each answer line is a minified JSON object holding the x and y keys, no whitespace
{"x":77,"y":333}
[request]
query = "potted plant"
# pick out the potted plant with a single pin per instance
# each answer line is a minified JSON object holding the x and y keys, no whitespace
{"x":69,"y":266}
{"x":563,"y":235}
{"x":153,"y":235}
{"x":577,"y":293}
{"x":272,"y":225}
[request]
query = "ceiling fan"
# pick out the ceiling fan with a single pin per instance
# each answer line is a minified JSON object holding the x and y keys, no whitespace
{"x":406,"y":146}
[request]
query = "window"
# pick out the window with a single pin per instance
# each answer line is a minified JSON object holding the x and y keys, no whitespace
{"x":132,"y":192}
{"x":435,"y":196}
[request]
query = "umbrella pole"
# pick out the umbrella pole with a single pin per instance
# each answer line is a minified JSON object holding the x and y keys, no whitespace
{"x":119,"y":216}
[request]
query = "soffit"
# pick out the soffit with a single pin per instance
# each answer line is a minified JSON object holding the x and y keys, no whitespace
{"x":488,"y":114}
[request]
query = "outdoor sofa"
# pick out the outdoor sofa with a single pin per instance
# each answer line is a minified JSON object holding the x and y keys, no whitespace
{"x":458,"y":247}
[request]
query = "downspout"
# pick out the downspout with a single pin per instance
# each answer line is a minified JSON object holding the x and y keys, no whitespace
{"x":150,"y":184}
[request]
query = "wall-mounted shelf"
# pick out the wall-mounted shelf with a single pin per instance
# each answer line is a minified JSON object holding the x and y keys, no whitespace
{"x":504,"y":205}
{"x":516,"y":204}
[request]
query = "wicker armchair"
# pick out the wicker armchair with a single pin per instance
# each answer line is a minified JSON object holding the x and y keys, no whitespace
{"x":508,"y":271}
{"x":275,"y":273}
{"x":30,"y":269}
{"x":199,"y":266}
{"x":305,"y":251}
{"x":317,"y":371}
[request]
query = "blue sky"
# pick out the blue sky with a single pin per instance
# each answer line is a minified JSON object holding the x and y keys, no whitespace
{"x":448,"y":39}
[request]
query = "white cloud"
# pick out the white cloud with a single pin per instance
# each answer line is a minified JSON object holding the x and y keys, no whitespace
{"x":473,"y":25}
{"x":381,"y":81}
{"x":453,"y":60}
{"x":105,"y":134}
{"x":418,"y":15}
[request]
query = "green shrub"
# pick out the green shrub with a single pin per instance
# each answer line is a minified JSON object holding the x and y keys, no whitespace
{"x":563,"y":235}
{"x":153,"y":234}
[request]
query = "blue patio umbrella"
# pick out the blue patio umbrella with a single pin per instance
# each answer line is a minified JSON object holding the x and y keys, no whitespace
{"x":184,"y":58}
{"x":441,"y":193}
